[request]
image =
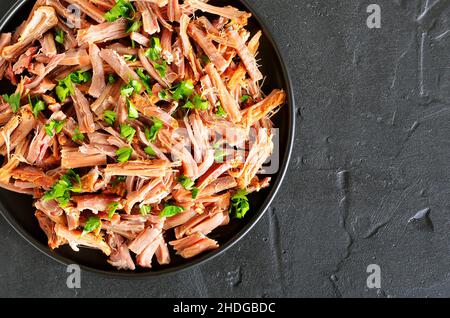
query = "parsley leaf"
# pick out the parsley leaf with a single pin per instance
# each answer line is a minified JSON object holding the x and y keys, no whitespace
{"x":186,"y":183}
{"x":245,"y":98}
{"x":13,"y":100}
{"x":220,"y":112}
{"x":112,"y":208}
{"x":122,"y":9}
{"x":93,"y":223}
{"x":65,"y":86}
{"x":132,"y":111}
{"x":239,"y":204}
{"x":154,"y":52}
{"x":130,"y":58}
{"x":124,"y":154}
{"x":54,"y":127}
{"x":36,"y":105}
{"x":146,"y":80}
{"x":183,"y":90}
{"x":149,"y":151}
{"x":161,"y":68}
{"x":59,"y":36}
{"x":170,"y":210}
{"x":78,"y":136}
{"x":61,"y":190}
{"x":195,"y":192}
{"x":127,"y":132}
{"x":152,"y":132}
{"x":132,"y":87}
{"x":145,"y":210}
{"x":197,"y":103}
{"x":109,"y":117}
{"x":134,"y":27}
{"x":119,"y":179}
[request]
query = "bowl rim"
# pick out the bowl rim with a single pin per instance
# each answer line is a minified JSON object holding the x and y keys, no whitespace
{"x":237,"y":236}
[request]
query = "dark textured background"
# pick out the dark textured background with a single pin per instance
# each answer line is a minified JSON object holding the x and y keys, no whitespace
{"x":372,"y":150}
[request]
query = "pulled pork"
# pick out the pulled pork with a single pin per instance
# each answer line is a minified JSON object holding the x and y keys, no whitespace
{"x":134,"y":124}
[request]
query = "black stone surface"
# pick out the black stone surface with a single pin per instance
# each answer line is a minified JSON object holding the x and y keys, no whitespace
{"x":372,"y":154}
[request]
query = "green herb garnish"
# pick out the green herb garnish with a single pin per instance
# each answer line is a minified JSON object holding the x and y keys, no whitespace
{"x":127,"y":132}
{"x":109,"y":117}
{"x":195,"y":192}
{"x":245,"y":98}
{"x":36,"y":105}
{"x":59,"y":36}
{"x":170,"y":210}
{"x":186,"y":183}
{"x":239,"y":204}
{"x":134,"y":27}
{"x":132,"y":111}
{"x":112,"y":208}
{"x":146,"y":80}
{"x":161,"y":68}
{"x":13,"y":100}
{"x":220,"y":112}
{"x":119,"y":179}
{"x":65,"y":86}
{"x":122,"y":9}
{"x":124,"y":154}
{"x":60,"y":191}
{"x":152,"y":132}
{"x":149,"y":151}
{"x":93,"y":223}
{"x":145,"y":210}
{"x":54,"y":127}
{"x":111,"y":79}
{"x":78,"y":136}
{"x":130,"y":58}
{"x":154,"y":52}
{"x":183,"y":90}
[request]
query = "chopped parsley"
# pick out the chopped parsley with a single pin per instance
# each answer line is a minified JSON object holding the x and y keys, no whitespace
{"x":61,"y":190}
{"x":152,"y":132}
{"x":170,"y":210}
{"x":197,"y":103}
{"x":239,"y":204}
{"x":122,"y":9}
{"x":59,"y":36}
{"x":220,"y":112}
{"x":195,"y":192}
{"x":132,"y":111}
{"x":245,"y":98}
{"x":127,"y":132}
{"x":13,"y":100}
{"x":54,"y":127}
{"x":134,"y":27}
{"x":36,"y":105}
{"x":124,"y":154}
{"x":183,"y":90}
{"x":111,"y":79}
{"x":112,"y":208}
{"x":78,"y":136}
{"x":132,"y":87}
{"x":146,"y":80}
{"x":109,"y":117}
{"x":145,"y":210}
{"x":130,"y":58}
{"x":93,"y":224}
{"x":149,"y":151}
{"x":186,"y":183}
{"x":154,"y":52}
{"x":65,"y":86}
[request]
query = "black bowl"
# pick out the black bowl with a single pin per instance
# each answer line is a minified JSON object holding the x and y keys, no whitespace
{"x":18,"y":211}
